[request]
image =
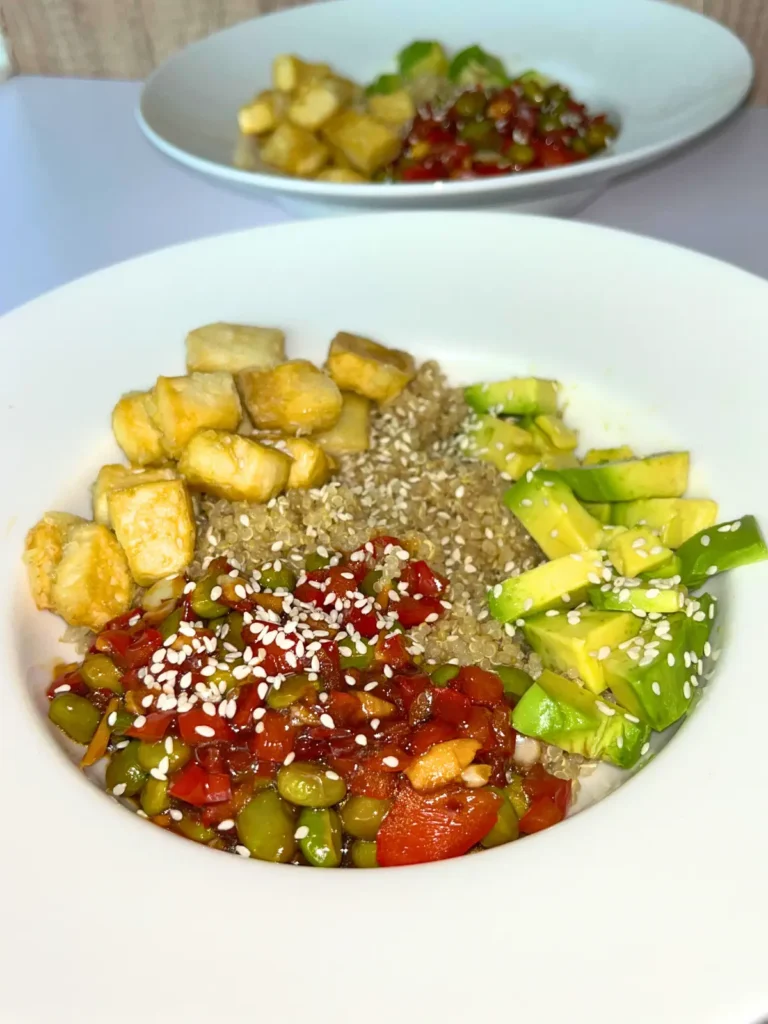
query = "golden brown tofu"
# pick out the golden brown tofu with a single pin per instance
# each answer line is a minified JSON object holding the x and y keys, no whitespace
{"x":155,"y":527}
{"x":375,"y":371}
{"x":43,"y":549}
{"x":289,"y":73}
{"x":341,"y":176}
{"x":316,"y":103}
{"x":229,"y":348}
{"x":295,"y":151}
{"x":367,"y":143}
{"x":395,"y":108}
{"x":112,"y":477}
{"x":294,"y":398}
{"x":92,"y":583}
{"x":311,"y":466}
{"x":263,"y":113}
{"x":135,"y":431}
{"x":352,"y":432}
{"x":184,"y":405}
{"x":441,"y":764}
{"x":234,"y":467}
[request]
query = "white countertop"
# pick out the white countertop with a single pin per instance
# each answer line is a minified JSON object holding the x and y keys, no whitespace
{"x":80,"y":188}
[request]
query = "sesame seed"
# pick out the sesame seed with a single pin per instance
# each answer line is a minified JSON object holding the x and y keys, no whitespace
{"x":139,"y":722}
{"x":301,"y":832}
{"x":656,"y":689}
{"x":606,"y":710}
{"x":205,"y":730}
{"x":111,"y":719}
{"x":361,"y":740}
{"x":327,"y":721}
{"x":119,"y":789}
{"x":390,"y":761}
{"x":671,"y":659}
{"x":459,"y":491}
{"x":603,"y":653}
{"x":631,"y":718}
{"x":175,"y":814}
{"x":644,"y":749}
{"x":226,"y":825}
{"x":687,"y":690}
{"x":216,"y":593}
{"x":289,"y":758}
{"x":705,"y":539}
{"x":243,"y":851}
{"x":712,"y":570}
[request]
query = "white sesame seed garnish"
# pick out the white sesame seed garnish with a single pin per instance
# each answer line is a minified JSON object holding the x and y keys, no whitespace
{"x":333,"y":776}
{"x":606,"y":710}
{"x":390,"y":761}
{"x":119,"y":789}
{"x":644,"y":749}
{"x":705,"y":539}
{"x":603,"y":653}
{"x":243,"y":851}
{"x":671,"y":659}
{"x":301,"y":832}
{"x":712,"y":570}
{"x":327,"y":721}
{"x":139,"y":722}
{"x":656,"y":689}
{"x":175,"y":814}
{"x":205,"y":730}
{"x":361,"y":740}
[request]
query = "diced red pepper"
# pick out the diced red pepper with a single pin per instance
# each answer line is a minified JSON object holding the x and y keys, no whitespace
{"x":445,"y":824}
{"x":141,"y":648}
{"x":423,"y":580}
{"x":428,"y":171}
{"x":478,"y":727}
{"x":425,"y":736}
{"x":481,"y":686}
{"x":376,"y":762}
{"x":412,"y":612}
{"x":541,"y":814}
{"x":194,"y":785}
{"x":195,"y":719}
{"x":392,"y":650}
{"x":345,"y":710}
{"x":549,"y":798}
{"x":72,"y":680}
{"x":121,"y":622}
{"x":365,"y":622}
{"x":412,"y":686}
{"x":365,"y":781}
{"x":247,"y":699}
{"x":450,"y":706}
{"x":114,"y":642}
{"x":276,"y":740}
{"x":156,"y":725}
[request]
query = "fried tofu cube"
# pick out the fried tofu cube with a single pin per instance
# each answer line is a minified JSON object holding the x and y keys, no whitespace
{"x":43,"y":550}
{"x":365,"y":142}
{"x":315,"y":104}
{"x":234,"y":467}
{"x":112,"y":477}
{"x":375,"y":371}
{"x":294,"y":398}
{"x":311,"y":466}
{"x":352,"y":432}
{"x":155,"y":527}
{"x":184,"y":405}
{"x":229,"y":348}
{"x":441,"y":764}
{"x":262,"y":114}
{"x":394,"y":108}
{"x":294,"y":150}
{"x":289,"y":73}
{"x":92,"y":583}
{"x":341,"y":176}
{"x":135,"y":431}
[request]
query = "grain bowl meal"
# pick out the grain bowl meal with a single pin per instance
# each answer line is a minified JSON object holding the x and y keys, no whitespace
{"x":433,"y":119}
{"x":351,"y":616}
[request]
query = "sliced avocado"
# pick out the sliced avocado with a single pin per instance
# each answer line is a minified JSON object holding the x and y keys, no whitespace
{"x":720,"y":548}
{"x":655,"y":676}
{"x":518,"y":396}
{"x":670,"y":570}
{"x":497,"y":441}
{"x":657,"y":476}
{"x":700,"y":612}
{"x":557,"y":434}
{"x":422,"y":58}
{"x":547,"y":508}
{"x":675,"y":519}
{"x":601,"y":510}
{"x":517,"y":464}
{"x":627,"y":595}
{"x":384,"y":85}
{"x":580,"y":641}
{"x":514,"y":680}
{"x":559,"y":711}
{"x":597,"y":456}
{"x":545,"y":587}
{"x":637,"y":550}
{"x":474,"y":66}
{"x":553,"y":459}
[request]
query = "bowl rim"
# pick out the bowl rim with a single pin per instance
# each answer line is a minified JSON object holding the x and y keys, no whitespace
{"x":604,"y":165}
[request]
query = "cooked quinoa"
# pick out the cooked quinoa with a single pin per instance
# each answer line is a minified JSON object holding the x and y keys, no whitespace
{"x":413,"y":483}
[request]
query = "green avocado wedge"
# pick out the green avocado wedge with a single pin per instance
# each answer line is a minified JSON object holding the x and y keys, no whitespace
{"x":550,"y":512}
{"x":560,"y":711}
{"x":675,"y":520}
{"x":549,"y":585}
{"x":657,"y":476}
{"x":517,"y":396}
{"x":720,"y":548}
{"x":631,"y":595}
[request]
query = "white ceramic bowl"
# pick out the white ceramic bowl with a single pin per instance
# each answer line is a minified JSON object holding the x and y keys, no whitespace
{"x":649,"y":906}
{"x":667,"y":75}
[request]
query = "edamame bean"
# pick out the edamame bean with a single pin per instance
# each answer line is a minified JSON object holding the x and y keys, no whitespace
{"x":443,"y":674}
{"x":124,"y":770}
{"x":470,"y":104}
{"x":361,"y":816}
{"x":322,"y":843}
{"x":75,"y":716}
{"x":517,"y":796}
{"x":266,"y":826}
{"x":154,"y":797}
{"x":514,"y":680}
{"x":368,"y":586}
{"x":203,"y":605}
{"x":291,"y":690}
{"x":193,"y":828}
{"x":234,"y":635}
{"x":170,"y":624}
{"x":505,"y":829}
{"x":309,"y":785}
{"x":363,"y":854}
{"x":519,"y":153}
{"x":355,"y":659}
{"x":151,"y":754}
{"x":123,"y":722}
{"x":99,"y":672}
{"x":283,"y":578}
{"x":315,"y":561}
